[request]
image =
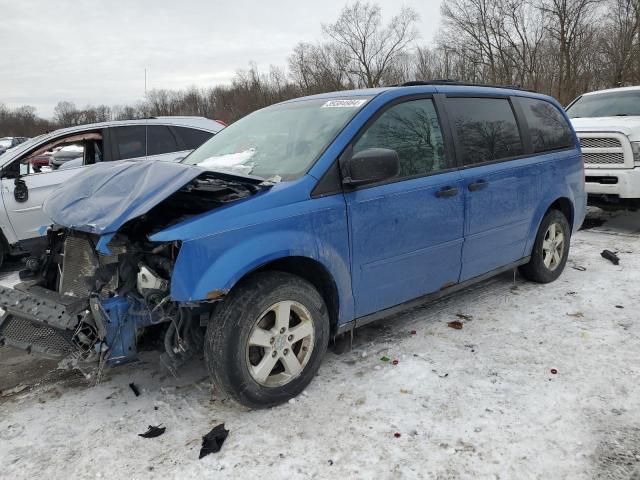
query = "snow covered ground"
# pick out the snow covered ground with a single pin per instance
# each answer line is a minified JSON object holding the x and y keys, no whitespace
{"x":479,"y":402}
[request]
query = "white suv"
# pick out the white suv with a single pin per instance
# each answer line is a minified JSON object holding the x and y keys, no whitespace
{"x":608,"y":125}
{"x":28,"y":176}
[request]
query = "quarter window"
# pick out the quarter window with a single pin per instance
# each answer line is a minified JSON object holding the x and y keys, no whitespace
{"x":486,"y":129}
{"x":160,"y":140}
{"x":412,"y":130}
{"x":548,"y":128}
{"x":192,"y":138}
{"x":130,"y":141}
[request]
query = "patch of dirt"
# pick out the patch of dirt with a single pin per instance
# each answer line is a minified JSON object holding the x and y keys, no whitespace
{"x":592,"y":222}
{"x":23,"y":373}
{"x":20,"y":368}
{"x":617,"y":457}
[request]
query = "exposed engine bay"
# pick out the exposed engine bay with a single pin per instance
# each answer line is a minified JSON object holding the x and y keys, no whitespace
{"x":76,"y":301}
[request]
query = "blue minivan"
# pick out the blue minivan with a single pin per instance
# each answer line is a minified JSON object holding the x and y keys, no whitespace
{"x":299,"y":222}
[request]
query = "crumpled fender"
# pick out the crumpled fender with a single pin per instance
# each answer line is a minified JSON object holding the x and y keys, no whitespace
{"x":209,"y":266}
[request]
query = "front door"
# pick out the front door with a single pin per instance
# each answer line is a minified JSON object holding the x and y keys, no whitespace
{"x":24,"y":190}
{"x":406,"y":235}
{"x":23,"y":198}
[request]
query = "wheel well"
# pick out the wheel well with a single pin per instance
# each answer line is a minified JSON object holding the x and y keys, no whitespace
{"x":564,"y":205}
{"x":316,"y":274}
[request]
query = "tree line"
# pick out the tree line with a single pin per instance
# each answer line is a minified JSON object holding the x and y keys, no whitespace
{"x":558,"y":47}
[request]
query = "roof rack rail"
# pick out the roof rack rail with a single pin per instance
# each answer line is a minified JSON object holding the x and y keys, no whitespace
{"x":447,"y":81}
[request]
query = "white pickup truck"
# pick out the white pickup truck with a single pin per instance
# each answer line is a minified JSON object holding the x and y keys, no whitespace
{"x":608,"y":125}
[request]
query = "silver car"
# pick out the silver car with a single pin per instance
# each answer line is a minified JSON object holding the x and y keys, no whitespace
{"x":24,"y":189}
{"x":7,"y":143}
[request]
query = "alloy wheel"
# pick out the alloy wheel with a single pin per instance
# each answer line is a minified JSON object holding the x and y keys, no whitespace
{"x":280,"y":344}
{"x":553,"y":246}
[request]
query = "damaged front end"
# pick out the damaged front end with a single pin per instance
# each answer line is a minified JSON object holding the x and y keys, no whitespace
{"x":88,"y":304}
{"x":90,"y":295}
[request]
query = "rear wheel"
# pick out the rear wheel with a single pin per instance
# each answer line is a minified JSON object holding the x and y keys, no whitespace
{"x":267,"y":339}
{"x":551,"y":249}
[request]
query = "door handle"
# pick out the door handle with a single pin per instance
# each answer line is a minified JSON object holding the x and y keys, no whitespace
{"x":447,"y":192}
{"x":479,"y":185}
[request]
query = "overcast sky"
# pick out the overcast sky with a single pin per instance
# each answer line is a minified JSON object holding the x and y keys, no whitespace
{"x":95,"y":52}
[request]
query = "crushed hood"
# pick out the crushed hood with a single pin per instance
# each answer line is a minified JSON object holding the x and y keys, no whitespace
{"x":107,"y":195}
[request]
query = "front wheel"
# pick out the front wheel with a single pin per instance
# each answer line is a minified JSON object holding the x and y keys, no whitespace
{"x":550,"y":250}
{"x":267,"y":339}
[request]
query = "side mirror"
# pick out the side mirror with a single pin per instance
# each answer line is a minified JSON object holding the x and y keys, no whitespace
{"x":370,"y":166}
{"x":20,"y":191}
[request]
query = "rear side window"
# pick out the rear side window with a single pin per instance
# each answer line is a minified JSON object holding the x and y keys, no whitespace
{"x":486,"y":129}
{"x":548,"y":128}
{"x":192,"y":138}
{"x":160,"y":139}
{"x":129,"y":141}
{"x":412,"y":130}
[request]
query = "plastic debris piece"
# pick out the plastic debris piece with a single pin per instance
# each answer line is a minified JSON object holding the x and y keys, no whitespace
{"x":212,"y":441}
{"x":580,"y":268}
{"x":576,"y":315}
{"x":134,"y":388}
{"x":455,"y":324}
{"x":609,"y":255}
{"x":397,"y":435}
{"x":385,"y":359}
{"x":619,"y":306}
{"x":554,"y":371}
{"x":153,"y":432}
{"x":464,"y":316}
{"x":394,"y":362}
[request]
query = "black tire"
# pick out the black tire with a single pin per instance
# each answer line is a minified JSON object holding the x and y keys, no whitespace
{"x":226,"y":349}
{"x":536,"y":270}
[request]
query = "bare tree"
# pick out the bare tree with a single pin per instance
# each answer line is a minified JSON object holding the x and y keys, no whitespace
{"x":65,"y":114}
{"x":619,"y":41}
{"x":319,"y":67}
{"x":471,"y":27}
{"x":572,"y":28}
{"x":371,"y":48}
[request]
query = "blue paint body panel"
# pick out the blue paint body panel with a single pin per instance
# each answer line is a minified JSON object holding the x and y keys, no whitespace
{"x":123,"y":317}
{"x":405,"y":241}
{"x":382,"y":245}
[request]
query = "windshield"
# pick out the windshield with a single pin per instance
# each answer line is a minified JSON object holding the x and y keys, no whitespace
{"x":606,"y":105}
{"x":278,"y":142}
{"x":5,"y":142}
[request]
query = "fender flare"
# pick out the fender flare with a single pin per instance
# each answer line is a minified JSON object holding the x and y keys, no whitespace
{"x":542,"y":209}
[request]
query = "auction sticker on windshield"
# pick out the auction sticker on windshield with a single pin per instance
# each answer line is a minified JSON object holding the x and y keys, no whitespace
{"x":344,"y":103}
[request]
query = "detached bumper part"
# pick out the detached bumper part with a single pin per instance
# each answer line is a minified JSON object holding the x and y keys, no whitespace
{"x":55,"y":325}
{"x":40,"y":320}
